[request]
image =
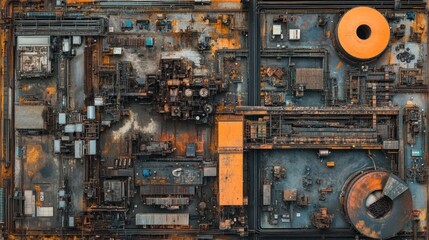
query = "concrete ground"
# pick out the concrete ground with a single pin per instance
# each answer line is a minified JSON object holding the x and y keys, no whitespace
{"x":40,"y":170}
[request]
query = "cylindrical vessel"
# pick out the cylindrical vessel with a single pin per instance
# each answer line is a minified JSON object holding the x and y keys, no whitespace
{"x":90,"y":114}
{"x":362,"y":34}
{"x":369,"y":210}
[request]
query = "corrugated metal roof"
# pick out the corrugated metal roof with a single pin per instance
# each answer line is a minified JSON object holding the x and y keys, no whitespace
{"x":45,"y":211}
{"x":62,"y":118}
{"x":29,"y":203}
{"x":113,"y":190}
{"x":79,"y":127}
{"x":168,"y":201}
{"x":92,"y":145}
{"x":30,"y":117}
{"x":98,"y":101}
{"x":57,"y":145}
{"x":78,"y":149}
{"x":266,"y":197}
{"x":311,"y":78}
{"x":167,"y":190}
{"x":33,"y":40}
{"x":162,"y":219}
{"x":70,"y":128}
{"x":210,"y":171}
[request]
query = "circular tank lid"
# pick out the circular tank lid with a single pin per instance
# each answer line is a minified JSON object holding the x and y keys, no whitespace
{"x":363,"y":33}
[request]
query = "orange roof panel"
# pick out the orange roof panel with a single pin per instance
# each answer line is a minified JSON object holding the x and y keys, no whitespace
{"x":230,"y":134}
{"x":231,"y":179}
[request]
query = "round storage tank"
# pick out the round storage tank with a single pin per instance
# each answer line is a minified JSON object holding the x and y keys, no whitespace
{"x":377,"y":203}
{"x":362,"y":34}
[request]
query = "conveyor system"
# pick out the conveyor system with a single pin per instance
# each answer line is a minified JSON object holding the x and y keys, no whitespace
{"x":61,"y":27}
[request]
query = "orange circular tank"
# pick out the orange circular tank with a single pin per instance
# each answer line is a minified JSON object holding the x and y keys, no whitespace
{"x":362,"y":34}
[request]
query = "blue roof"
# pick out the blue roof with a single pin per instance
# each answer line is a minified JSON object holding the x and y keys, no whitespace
{"x":149,"y":41}
{"x":128,"y":23}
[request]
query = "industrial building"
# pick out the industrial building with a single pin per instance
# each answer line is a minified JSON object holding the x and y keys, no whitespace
{"x":33,"y":56}
{"x":214,"y":119}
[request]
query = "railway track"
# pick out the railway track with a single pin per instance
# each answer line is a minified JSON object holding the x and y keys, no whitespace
{"x":254,"y":100}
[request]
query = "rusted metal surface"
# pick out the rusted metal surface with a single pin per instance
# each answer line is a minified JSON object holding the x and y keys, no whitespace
{"x":382,"y":217}
{"x":321,"y":219}
{"x":309,"y":127}
{"x":311,"y":78}
{"x":394,"y":188}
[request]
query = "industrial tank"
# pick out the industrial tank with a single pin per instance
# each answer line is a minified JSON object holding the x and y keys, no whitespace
{"x":362,"y":34}
{"x":377,"y":203}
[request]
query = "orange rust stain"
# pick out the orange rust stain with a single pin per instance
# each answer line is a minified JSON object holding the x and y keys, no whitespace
{"x":223,"y":37}
{"x":225,"y":4}
{"x":33,"y":153}
{"x":25,"y":88}
{"x":165,"y":136}
{"x":107,"y":147}
{"x":221,"y":28}
{"x":391,"y":58}
{"x":422,"y":218}
{"x":229,"y":43}
{"x":420,"y":25}
{"x":175,"y":25}
{"x":339,"y":65}
{"x":328,"y":34}
{"x":200,"y":146}
{"x":51,"y":90}
{"x":360,"y":225}
{"x":78,"y":1}
{"x":34,"y":158}
{"x":181,"y":139}
{"x":106,"y":60}
{"x":370,"y":184}
{"x":423,"y":214}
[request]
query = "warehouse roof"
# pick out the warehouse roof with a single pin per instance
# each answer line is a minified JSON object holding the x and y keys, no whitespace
{"x":162,"y":219}
{"x":30,"y":117}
